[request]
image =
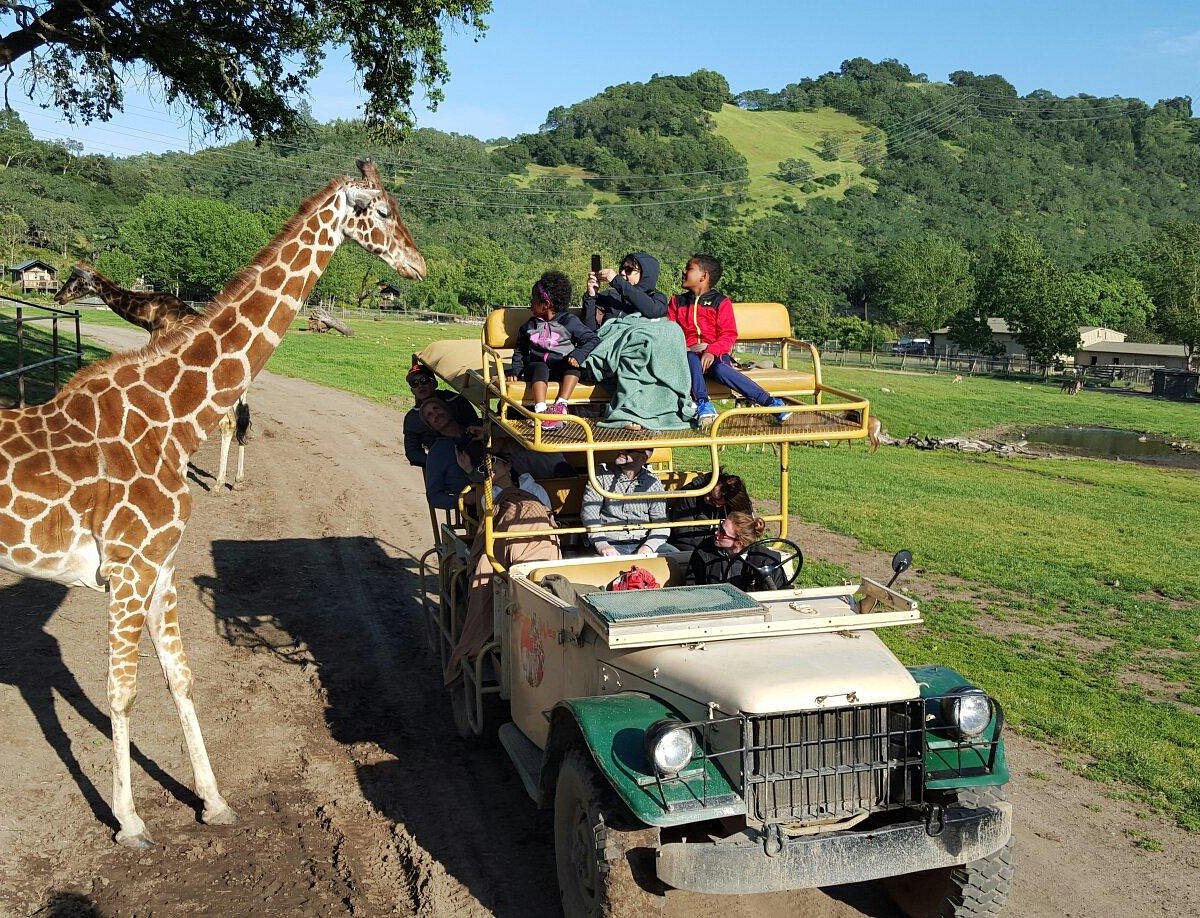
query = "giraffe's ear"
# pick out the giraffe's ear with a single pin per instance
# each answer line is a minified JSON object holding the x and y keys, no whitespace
{"x":360,"y":198}
{"x":370,"y":172}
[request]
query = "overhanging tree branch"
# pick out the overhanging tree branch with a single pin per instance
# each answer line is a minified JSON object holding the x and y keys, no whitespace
{"x":240,"y":63}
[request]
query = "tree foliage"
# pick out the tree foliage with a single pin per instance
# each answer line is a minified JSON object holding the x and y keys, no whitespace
{"x":1172,"y":277}
{"x":923,"y":281}
{"x":796,"y":171}
{"x":1021,"y":285}
{"x":238,"y":63}
{"x":178,"y":240}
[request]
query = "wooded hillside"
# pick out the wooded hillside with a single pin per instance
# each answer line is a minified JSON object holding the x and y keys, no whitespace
{"x":850,"y":195}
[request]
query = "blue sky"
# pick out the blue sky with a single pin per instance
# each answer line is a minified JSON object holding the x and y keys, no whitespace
{"x":536,"y":55}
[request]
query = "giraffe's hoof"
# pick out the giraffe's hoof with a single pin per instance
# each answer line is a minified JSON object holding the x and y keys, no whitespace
{"x":226,"y":816}
{"x":137,"y":840}
{"x":237,"y":485}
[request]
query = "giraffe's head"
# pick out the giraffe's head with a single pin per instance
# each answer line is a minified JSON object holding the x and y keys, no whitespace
{"x":81,"y":282}
{"x":374,"y":223}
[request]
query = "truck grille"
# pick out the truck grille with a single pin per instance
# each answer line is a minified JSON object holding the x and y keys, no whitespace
{"x":822,"y":766}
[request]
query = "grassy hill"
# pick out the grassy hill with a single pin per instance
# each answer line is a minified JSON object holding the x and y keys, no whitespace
{"x":768,"y":138}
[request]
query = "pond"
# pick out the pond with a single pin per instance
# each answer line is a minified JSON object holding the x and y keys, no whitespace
{"x":1112,"y":443}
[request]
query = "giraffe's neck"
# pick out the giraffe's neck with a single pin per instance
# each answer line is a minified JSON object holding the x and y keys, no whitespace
{"x":122,"y":303}
{"x":208,"y":369}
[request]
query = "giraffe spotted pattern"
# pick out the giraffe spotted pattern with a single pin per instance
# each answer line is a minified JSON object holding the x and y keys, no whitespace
{"x":93,"y":488}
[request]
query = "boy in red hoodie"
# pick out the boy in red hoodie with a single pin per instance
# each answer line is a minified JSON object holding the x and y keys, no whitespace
{"x":710,"y":330}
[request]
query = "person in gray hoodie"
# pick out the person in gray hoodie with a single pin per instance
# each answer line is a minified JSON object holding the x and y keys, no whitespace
{"x":551,"y":345}
{"x":630,"y":291}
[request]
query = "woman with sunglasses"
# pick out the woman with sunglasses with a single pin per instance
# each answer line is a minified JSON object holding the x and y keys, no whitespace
{"x":723,"y":557}
{"x":630,"y":292}
{"x":641,"y":358}
{"x":728,"y":494}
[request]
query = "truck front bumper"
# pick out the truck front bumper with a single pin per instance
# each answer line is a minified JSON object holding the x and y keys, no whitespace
{"x":738,"y":867}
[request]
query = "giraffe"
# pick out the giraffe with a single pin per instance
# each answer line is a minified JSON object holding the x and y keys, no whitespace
{"x":160,"y":313}
{"x":93,"y":488}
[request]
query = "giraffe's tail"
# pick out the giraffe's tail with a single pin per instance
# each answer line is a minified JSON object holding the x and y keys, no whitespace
{"x":243,"y":422}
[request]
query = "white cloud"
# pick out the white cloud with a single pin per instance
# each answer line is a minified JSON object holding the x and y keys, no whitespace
{"x":1178,"y":45}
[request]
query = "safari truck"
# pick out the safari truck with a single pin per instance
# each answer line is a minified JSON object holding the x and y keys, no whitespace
{"x":703,"y":738}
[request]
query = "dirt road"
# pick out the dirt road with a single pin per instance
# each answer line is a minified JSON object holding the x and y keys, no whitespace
{"x":329,"y":733}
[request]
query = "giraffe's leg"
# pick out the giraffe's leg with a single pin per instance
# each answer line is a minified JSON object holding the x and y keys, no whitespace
{"x":240,"y":477}
{"x":227,"y":426}
{"x":163,"y":623}
{"x":241,"y":416}
{"x":129,"y":596}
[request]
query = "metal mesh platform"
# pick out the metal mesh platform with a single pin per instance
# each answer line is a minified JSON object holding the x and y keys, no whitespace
{"x":715,"y":600}
{"x":802,"y":426}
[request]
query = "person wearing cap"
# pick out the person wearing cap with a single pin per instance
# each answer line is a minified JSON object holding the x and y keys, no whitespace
{"x":419,"y":436}
{"x":627,"y":474}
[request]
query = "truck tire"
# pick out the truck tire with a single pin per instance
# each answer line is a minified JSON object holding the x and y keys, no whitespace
{"x":605,"y":856}
{"x":972,"y":890}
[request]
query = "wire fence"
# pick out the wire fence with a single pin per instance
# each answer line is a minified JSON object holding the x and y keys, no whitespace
{"x":1009,"y":365}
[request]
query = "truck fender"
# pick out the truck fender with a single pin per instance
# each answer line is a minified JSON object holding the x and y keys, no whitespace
{"x":935,"y":681}
{"x":611,"y":729}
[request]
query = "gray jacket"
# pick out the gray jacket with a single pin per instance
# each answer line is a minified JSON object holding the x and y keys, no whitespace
{"x":601,"y":511}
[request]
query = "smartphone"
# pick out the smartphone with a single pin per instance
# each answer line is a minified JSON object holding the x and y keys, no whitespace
{"x":597,"y":264}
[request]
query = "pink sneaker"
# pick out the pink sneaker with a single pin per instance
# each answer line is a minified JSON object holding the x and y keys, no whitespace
{"x":554,"y":408}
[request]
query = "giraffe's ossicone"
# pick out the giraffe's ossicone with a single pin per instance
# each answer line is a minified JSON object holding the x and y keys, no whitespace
{"x":93,"y":488}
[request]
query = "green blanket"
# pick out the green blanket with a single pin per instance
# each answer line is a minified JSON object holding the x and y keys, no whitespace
{"x":643,"y":362}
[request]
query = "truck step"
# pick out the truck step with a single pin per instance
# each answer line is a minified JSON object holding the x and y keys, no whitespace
{"x":525,"y":756}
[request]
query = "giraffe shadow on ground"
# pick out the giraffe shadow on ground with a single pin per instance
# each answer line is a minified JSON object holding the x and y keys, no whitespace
{"x":350,"y":608}
{"x":31,"y":661}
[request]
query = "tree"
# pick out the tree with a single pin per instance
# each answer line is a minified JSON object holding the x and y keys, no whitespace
{"x":182,"y":240}
{"x":1111,"y":299}
{"x":924,"y":281}
{"x":13,"y":230}
{"x":1172,"y":278}
{"x":117,"y":266}
{"x":796,"y":171}
{"x":239,"y":63}
{"x":971,"y":332}
{"x":1021,"y":285}
{"x":829,"y":147}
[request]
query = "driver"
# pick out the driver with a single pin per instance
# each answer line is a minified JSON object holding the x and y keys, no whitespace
{"x":723,"y":557}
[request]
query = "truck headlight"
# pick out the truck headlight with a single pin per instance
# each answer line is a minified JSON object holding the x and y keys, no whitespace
{"x":968,"y":710}
{"x":669,"y":746}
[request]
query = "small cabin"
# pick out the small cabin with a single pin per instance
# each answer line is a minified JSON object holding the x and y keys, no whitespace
{"x":34,"y":276}
{"x":390,"y":296}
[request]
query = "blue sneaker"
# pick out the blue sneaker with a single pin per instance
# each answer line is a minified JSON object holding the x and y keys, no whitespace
{"x":706,"y":413}
{"x":782,"y":416}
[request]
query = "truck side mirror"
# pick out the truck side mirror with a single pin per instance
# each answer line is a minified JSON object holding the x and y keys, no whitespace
{"x":901,"y":561}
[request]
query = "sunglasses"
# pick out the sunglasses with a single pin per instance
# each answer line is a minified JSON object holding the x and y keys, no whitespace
{"x":629,"y":269}
{"x":720,"y":533}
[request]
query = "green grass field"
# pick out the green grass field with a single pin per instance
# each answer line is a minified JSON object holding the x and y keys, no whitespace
{"x":768,"y":138}
{"x":1067,"y":588}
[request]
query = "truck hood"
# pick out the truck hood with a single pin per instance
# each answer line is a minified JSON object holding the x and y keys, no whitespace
{"x":781,"y":673}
